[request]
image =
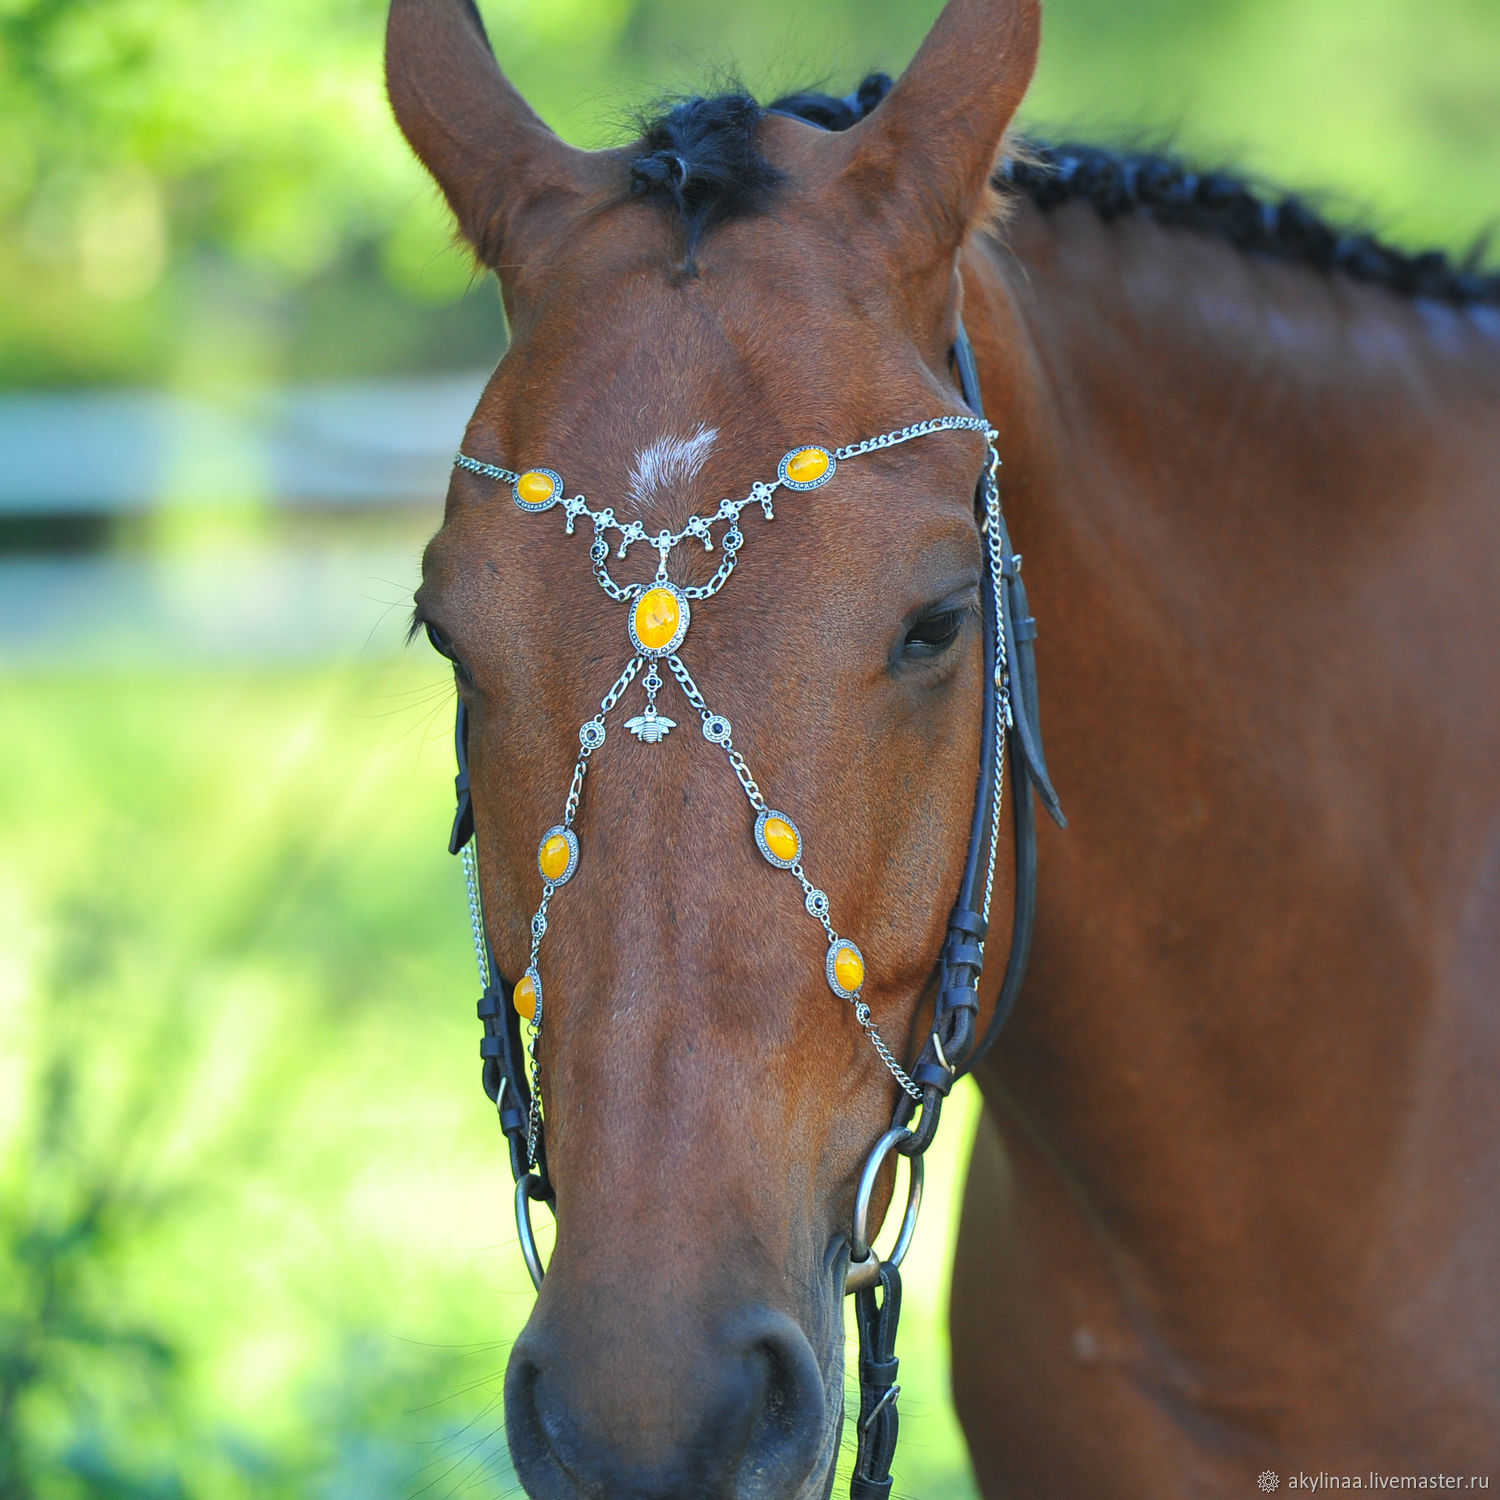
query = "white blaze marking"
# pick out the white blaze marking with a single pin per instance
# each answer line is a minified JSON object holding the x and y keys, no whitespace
{"x":667,"y":462}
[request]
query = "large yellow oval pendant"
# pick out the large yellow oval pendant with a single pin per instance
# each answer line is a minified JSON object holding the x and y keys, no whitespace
{"x":557,"y":855}
{"x":537,"y":489}
{"x":527,"y":997}
{"x":659,"y":620}
{"x":806,"y":468}
{"x":846,"y":969}
{"x":778,"y":838}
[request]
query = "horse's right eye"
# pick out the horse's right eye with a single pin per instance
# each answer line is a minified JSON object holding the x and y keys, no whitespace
{"x":444,"y":647}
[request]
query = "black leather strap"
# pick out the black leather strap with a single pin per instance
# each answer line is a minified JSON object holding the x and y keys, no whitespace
{"x":877,"y":1315}
{"x":501,"y":1049}
{"x":959,"y":972}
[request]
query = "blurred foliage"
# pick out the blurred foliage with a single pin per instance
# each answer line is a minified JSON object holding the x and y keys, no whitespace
{"x":211,"y":195}
{"x":254,"y":1218}
{"x":255,"y":1234}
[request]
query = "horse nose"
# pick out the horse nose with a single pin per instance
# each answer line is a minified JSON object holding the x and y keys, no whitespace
{"x":745,"y":1421}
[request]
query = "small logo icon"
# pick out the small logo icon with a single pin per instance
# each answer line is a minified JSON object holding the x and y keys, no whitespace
{"x":1269,"y":1480}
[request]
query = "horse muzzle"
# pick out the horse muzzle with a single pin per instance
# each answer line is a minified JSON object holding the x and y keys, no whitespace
{"x":658,"y":1413}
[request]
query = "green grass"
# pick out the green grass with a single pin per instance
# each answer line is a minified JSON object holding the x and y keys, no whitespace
{"x":254,"y":1213}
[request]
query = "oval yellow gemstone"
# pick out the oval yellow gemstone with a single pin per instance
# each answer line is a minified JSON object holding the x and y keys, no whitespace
{"x":554,"y":856}
{"x":781,"y":838}
{"x":807,"y":466}
{"x":534,"y":487}
{"x":657,"y":614}
{"x":524,"y":997}
{"x":849,"y":968}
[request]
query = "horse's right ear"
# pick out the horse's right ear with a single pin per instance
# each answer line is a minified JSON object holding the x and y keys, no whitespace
{"x":497,"y":163}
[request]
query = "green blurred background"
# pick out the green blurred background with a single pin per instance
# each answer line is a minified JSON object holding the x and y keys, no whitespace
{"x":254,"y":1234}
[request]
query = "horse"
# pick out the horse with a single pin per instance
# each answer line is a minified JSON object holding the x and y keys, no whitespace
{"x":1234,"y":1203}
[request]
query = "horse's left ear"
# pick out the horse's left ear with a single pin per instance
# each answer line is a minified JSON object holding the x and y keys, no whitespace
{"x":921,"y":162}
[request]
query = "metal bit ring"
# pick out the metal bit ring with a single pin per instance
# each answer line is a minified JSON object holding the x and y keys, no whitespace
{"x":529,"y":1252}
{"x":864,"y":1264}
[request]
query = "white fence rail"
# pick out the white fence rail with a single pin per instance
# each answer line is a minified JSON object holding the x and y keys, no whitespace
{"x":285,"y":593}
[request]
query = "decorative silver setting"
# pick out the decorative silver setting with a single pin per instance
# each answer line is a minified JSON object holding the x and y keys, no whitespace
{"x":717,"y":729}
{"x":684,"y":616}
{"x":537,"y":505}
{"x":807,"y":484}
{"x":834,"y":949}
{"x":816,"y":903}
{"x":534,"y":975}
{"x":651,"y":728}
{"x":572,"y":841}
{"x":591,"y":734}
{"x":765,"y":815}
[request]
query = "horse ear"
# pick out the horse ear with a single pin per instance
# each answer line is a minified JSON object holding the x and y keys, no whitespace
{"x":922,"y":161}
{"x":492,"y":155}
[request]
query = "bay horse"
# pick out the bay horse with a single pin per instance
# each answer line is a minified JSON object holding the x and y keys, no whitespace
{"x":1234,"y":1204}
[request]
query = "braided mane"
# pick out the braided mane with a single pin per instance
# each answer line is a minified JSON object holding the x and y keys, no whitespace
{"x":701,"y":162}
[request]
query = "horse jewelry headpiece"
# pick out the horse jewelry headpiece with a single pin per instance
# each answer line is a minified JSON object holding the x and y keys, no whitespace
{"x":658,"y":619}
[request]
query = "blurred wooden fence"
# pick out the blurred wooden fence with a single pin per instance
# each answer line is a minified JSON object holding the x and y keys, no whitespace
{"x":137,"y":526}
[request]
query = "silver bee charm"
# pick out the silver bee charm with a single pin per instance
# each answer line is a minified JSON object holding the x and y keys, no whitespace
{"x":651,"y":728}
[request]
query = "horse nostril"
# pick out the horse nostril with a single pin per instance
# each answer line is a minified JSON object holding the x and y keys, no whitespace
{"x":786,"y":1409}
{"x":531,"y":1450}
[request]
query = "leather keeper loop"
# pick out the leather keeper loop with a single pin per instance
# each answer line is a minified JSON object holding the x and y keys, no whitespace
{"x":491,"y":1046}
{"x":969,"y":954}
{"x":490,"y":1005}
{"x":879,"y":1371}
{"x":932,"y":1075}
{"x":954,"y":997}
{"x":971,"y":923}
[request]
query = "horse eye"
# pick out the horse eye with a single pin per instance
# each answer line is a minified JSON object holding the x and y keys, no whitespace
{"x":444,"y":647}
{"x":933,"y":634}
{"x":440,"y":643}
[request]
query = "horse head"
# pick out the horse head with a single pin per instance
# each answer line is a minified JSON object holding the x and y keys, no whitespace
{"x":738,"y":299}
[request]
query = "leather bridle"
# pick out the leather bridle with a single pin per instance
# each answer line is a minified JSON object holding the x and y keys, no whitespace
{"x":1010,"y":726}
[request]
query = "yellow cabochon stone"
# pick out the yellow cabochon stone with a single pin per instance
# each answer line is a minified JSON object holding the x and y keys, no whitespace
{"x":657,"y":615}
{"x":534,"y":487}
{"x":849,"y":968}
{"x":524,"y":998}
{"x":807,"y":465}
{"x":781,"y":838}
{"x":553,"y":857}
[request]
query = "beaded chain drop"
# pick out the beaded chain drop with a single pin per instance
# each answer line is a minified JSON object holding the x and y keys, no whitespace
{"x":659,"y":613}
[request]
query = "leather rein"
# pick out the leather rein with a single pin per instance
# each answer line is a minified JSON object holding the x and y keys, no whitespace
{"x":1010,"y":728}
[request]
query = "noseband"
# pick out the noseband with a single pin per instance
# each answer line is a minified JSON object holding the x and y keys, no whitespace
{"x":659,"y":616}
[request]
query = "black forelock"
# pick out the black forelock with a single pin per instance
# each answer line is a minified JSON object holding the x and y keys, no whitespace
{"x":701,"y":158}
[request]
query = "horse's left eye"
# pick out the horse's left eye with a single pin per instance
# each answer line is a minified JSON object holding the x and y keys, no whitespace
{"x":440,"y":643}
{"x":933,"y":634}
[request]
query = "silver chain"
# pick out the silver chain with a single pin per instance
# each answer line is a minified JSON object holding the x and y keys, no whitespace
{"x":1002,"y":663}
{"x":815,"y":900}
{"x":701,"y":527}
{"x":716,"y":727}
{"x":490,"y":471}
{"x":476,"y":912}
{"x":916,"y":430}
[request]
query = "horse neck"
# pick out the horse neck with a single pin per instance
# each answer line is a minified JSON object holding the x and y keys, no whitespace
{"x":1257,"y":512}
